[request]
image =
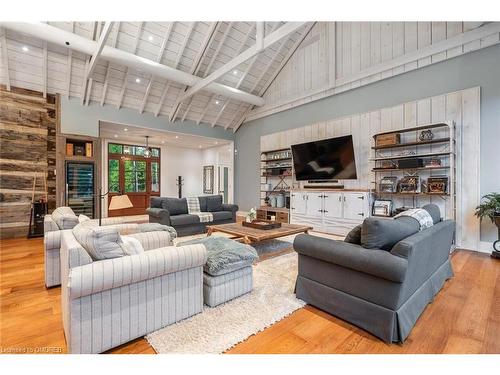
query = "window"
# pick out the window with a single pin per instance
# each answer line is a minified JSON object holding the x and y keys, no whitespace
{"x":155,"y":176}
{"x":115,"y":149}
{"x":114,"y":175}
{"x":135,"y":176}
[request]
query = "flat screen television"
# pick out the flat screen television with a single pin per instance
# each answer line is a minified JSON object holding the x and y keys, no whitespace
{"x":328,"y":159}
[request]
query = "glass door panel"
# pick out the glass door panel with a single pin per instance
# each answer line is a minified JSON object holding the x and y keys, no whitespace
{"x":80,"y":188}
{"x":135,"y":176}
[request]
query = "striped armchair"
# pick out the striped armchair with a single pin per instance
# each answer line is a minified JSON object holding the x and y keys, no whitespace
{"x":52,"y":241}
{"x":110,"y":302}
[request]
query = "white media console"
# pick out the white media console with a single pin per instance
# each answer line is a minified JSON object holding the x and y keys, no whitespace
{"x":335,"y":212}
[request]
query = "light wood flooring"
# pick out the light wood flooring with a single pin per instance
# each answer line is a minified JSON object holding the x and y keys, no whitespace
{"x":464,"y":318}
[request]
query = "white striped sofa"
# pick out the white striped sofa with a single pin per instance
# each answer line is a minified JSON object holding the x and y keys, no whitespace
{"x":110,"y":302}
{"x":52,"y":239}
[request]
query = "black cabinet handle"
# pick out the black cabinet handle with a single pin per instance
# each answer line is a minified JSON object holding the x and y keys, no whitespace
{"x":362,"y":197}
{"x":361,"y":214}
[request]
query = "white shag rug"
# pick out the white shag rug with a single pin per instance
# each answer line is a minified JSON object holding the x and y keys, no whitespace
{"x":218,"y":329}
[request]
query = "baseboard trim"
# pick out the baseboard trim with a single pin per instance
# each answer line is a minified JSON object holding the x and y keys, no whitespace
{"x":485,"y":247}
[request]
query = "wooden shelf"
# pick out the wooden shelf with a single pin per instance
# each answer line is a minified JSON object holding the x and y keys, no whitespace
{"x":409,"y":169}
{"x":277,"y":150}
{"x":410,"y":144}
{"x":276,"y":191}
{"x":414,"y":194}
{"x":274,"y":209}
{"x":285,"y":166}
{"x":413,"y":156}
{"x":271,"y":160}
{"x":416,"y":128}
{"x":277,"y":175}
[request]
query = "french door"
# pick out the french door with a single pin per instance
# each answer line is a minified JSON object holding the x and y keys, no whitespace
{"x":130,"y":173}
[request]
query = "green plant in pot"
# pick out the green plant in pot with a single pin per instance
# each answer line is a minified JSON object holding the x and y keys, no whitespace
{"x":490,"y":208}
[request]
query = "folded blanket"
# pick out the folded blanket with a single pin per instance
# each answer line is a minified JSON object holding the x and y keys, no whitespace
{"x":223,"y":252}
{"x":193,"y":204}
{"x":157,"y":227}
{"x":422,"y":216}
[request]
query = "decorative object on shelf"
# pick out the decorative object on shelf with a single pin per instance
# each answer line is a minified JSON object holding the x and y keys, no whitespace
{"x":388,"y":184}
{"x":409,"y":184}
{"x":437,"y":185}
{"x":426,"y":135}
{"x":69,"y":149}
{"x":387,"y":139}
{"x":432,"y":163}
{"x":79,"y":150}
{"x":272,"y":200}
{"x":266,"y":201}
{"x":88,"y":149}
{"x":179,"y":182}
{"x":382,"y":207}
{"x":208,"y":179}
{"x":262,"y":224}
{"x":490,"y":207}
{"x":147,"y":150}
{"x":251,"y":215}
{"x":280,"y":200}
{"x":423,"y":185}
{"x":407,"y":153}
{"x":410,"y":163}
{"x":388,"y":164}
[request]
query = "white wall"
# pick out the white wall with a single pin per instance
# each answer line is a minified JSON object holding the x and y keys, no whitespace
{"x":185,"y":162}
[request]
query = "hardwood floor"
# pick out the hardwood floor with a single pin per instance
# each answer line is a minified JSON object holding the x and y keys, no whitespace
{"x":464,"y":318}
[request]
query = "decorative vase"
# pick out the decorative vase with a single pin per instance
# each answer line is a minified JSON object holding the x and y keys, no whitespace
{"x":272,"y":200}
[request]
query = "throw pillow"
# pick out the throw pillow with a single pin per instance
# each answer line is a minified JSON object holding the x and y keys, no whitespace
{"x":64,"y":217}
{"x":214,"y":203}
{"x":377,"y":233}
{"x":131,"y":245}
{"x":100,"y":242}
{"x":434,"y":211}
{"x":83,"y":218}
{"x":156,"y":202}
{"x":175,"y":206}
{"x":354,"y":236}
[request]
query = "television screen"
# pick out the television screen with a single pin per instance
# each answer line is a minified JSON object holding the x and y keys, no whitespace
{"x":328,"y":159}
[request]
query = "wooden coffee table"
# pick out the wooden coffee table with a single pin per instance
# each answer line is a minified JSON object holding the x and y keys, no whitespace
{"x":249,"y":235}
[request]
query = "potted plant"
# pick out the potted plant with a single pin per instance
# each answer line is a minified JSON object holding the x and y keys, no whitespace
{"x":252,"y":215}
{"x":490,"y":207}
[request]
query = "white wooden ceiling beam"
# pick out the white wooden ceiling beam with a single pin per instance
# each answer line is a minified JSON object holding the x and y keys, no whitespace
{"x":93,"y":33}
{"x":103,"y":38}
{"x":158,"y":59}
{"x":243,"y":45}
{"x":269,"y":40}
{"x":177,"y":61}
{"x":290,"y":53}
{"x":134,"y":50}
{"x":108,"y":66}
{"x":5,"y":59}
{"x":259,"y":36}
{"x":197,"y":65}
{"x":87,"y":46}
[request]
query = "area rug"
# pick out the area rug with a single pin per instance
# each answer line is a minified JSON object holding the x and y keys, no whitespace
{"x":218,"y":329}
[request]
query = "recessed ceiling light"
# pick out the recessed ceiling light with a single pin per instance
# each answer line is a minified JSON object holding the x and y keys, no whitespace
{"x":125,"y":130}
{"x":25,"y":49}
{"x":216,"y":143}
{"x":199,"y":146}
{"x":137,"y":80}
{"x":162,"y":141}
{"x":217,"y":102}
{"x":150,"y":38}
{"x":176,"y":137}
{"x":116,"y":135}
{"x":235,"y":72}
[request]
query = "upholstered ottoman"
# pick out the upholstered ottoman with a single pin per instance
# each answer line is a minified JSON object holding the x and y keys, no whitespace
{"x":228,"y":271}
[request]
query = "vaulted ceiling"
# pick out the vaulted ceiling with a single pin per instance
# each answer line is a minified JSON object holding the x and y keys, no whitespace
{"x":197,"y":48}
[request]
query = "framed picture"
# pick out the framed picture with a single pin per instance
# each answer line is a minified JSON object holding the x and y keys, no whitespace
{"x":382,"y":207}
{"x":437,"y":185}
{"x":388,"y":184}
{"x":409,"y":185}
{"x":208,"y":179}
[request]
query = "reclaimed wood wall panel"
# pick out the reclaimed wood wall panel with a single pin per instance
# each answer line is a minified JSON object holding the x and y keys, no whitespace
{"x":27,"y":150}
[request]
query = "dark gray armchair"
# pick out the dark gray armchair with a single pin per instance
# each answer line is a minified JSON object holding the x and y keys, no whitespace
{"x":381,"y":291}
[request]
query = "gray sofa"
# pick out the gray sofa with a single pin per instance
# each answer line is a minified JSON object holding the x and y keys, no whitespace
{"x":381,"y":289}
{"x":174,"y":212}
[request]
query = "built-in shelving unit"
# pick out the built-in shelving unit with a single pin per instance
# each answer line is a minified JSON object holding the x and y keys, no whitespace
{"x":276,"y":182}
{"x":440,"y":148}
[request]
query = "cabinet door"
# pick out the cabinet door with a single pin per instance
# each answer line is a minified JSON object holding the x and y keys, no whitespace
{"x":332,"y":205}
{"x":314,"y":206}
{"x":355,"y":206}
{"x":298,"y":203}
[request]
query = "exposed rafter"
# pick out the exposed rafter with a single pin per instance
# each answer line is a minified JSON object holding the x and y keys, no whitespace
{"x":108,"y":66}
{"x":240,"y":82}
{"x":93,"y":32}
{"x":197,"y":64}
{"x":134,"y":50}
{"x":259,"y":36}
{"x":5,"y":58}
{"x":60,"y":37}
{"x":177,"y":61}
{"x":210,"y":100}
{"x":158,"y":59}
{"x":290,"y":53}
{"x":269,"y":40}
{"x":100,"y":45}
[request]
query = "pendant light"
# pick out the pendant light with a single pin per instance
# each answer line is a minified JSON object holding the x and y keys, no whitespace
{"x":147,"y":150}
